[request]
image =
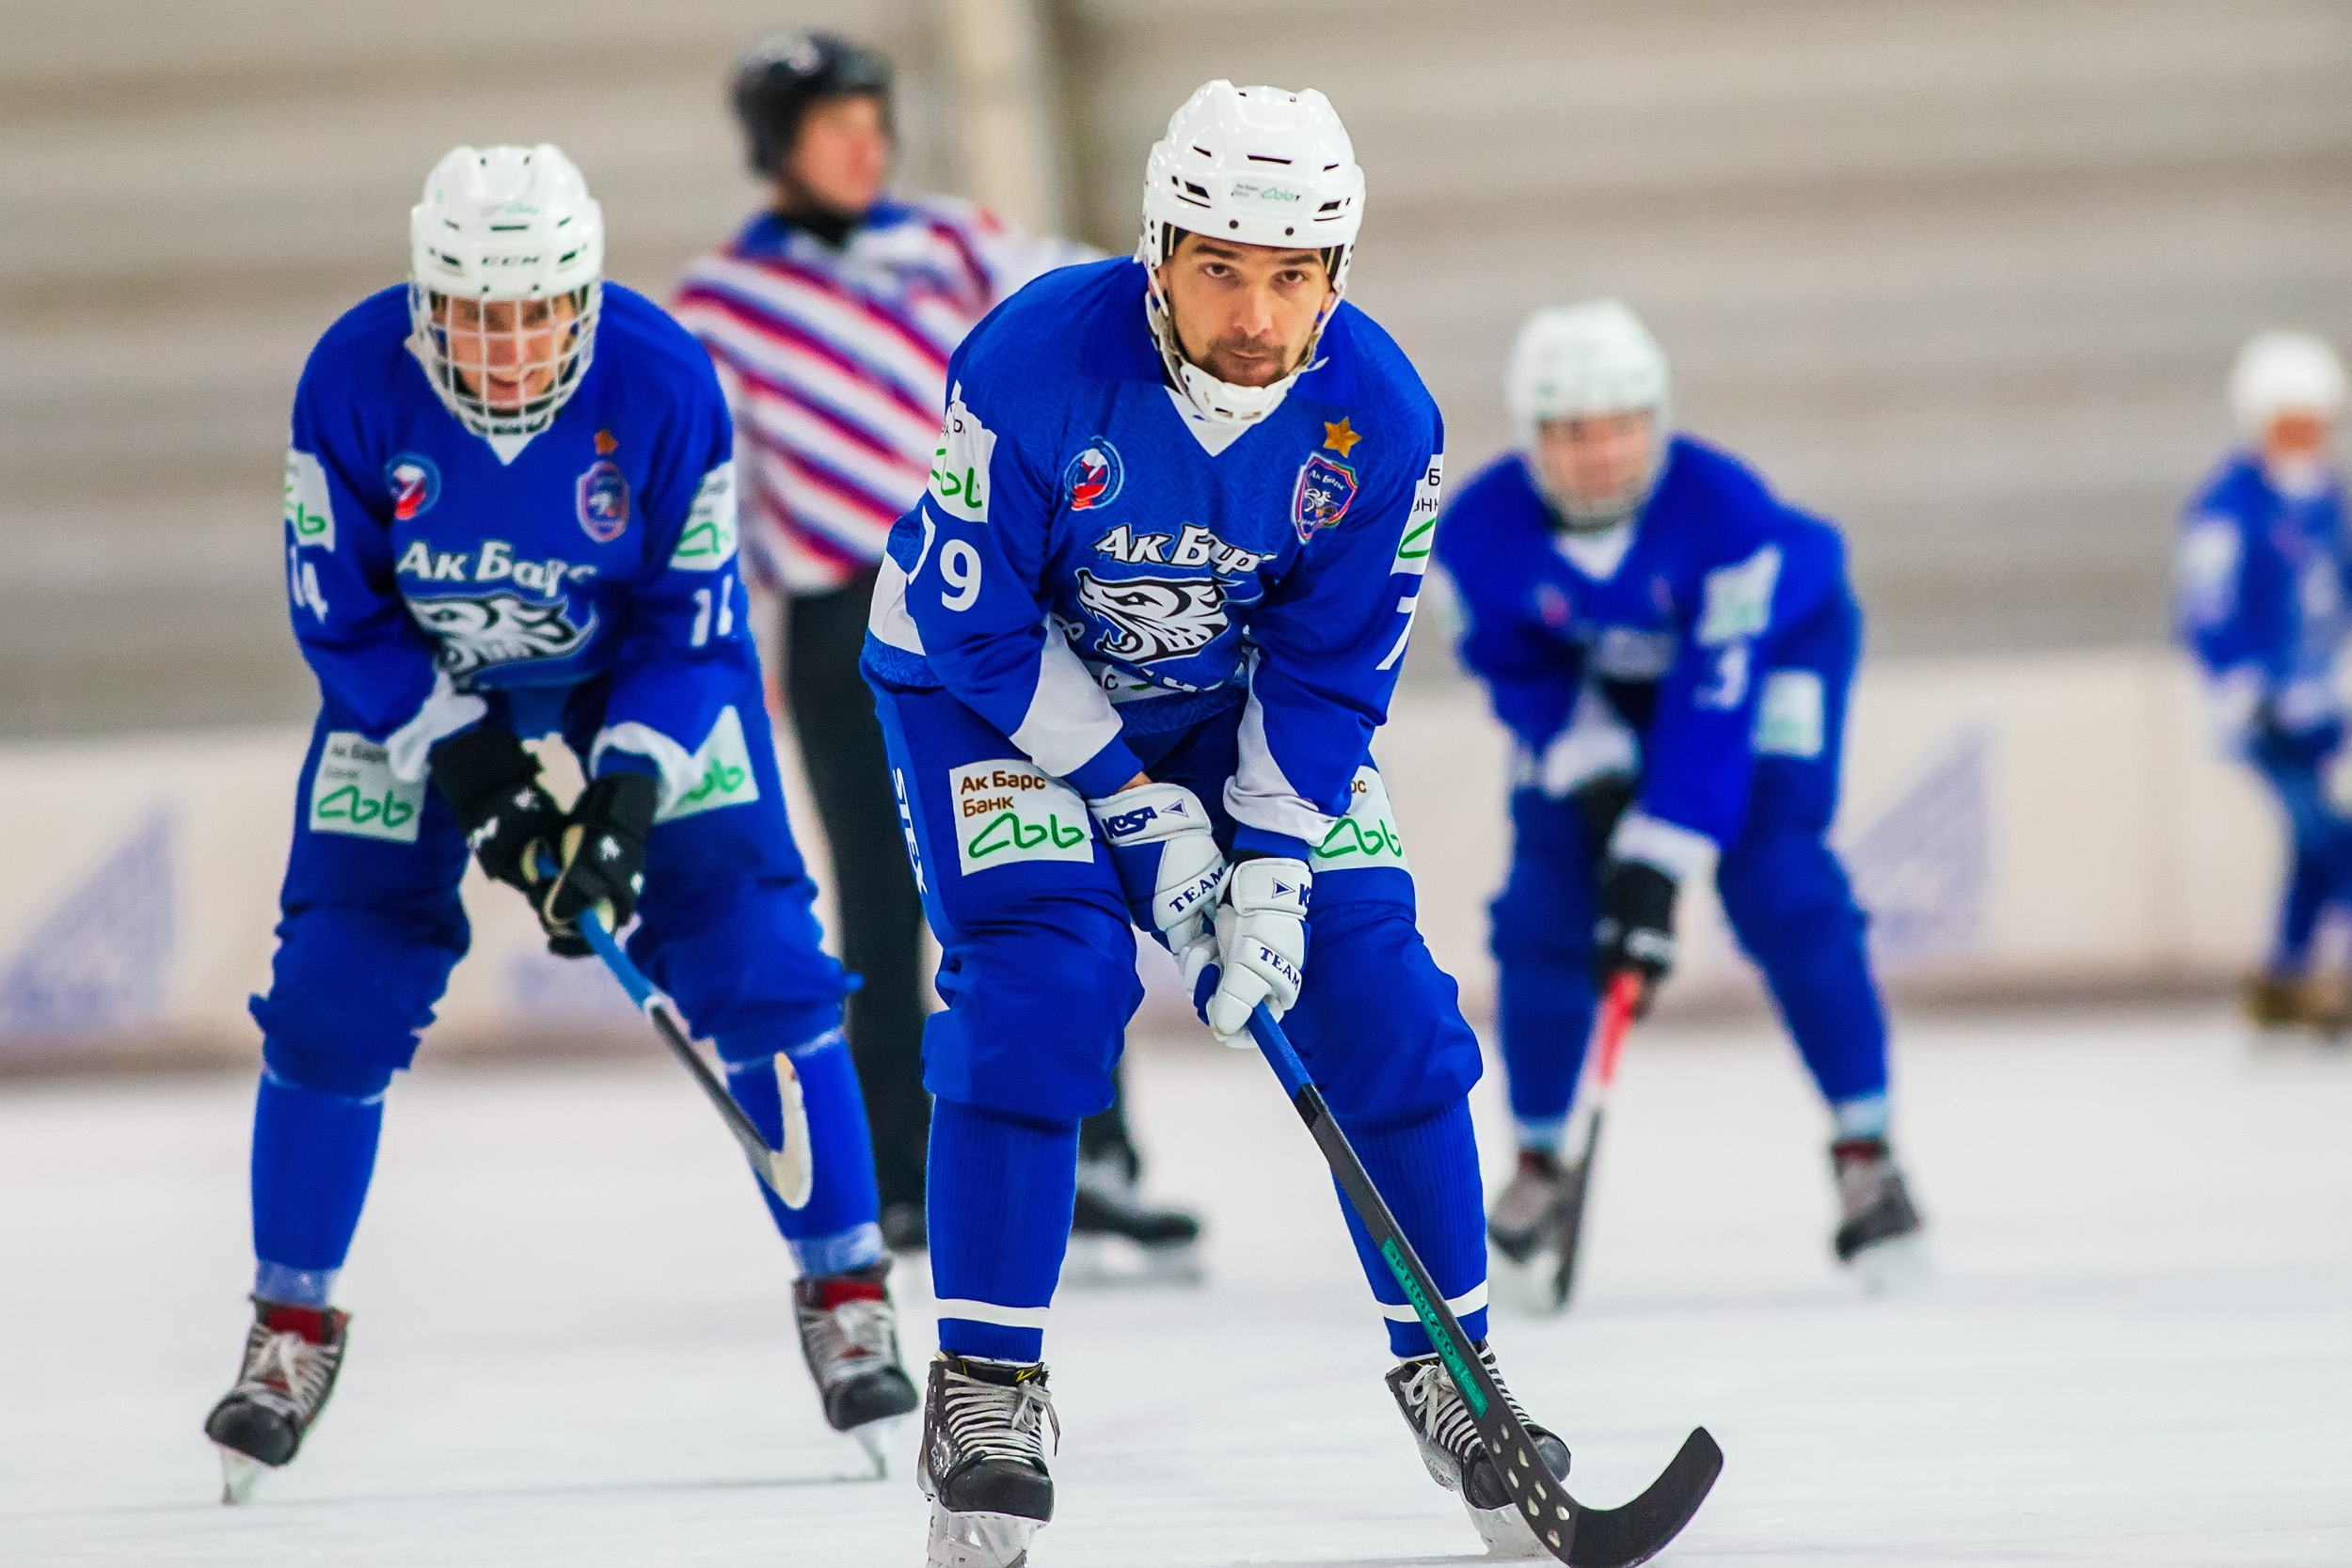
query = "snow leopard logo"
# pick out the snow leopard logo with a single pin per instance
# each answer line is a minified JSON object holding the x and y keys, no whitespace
{"x":1154,"y":617}
{"x":499,"y":629}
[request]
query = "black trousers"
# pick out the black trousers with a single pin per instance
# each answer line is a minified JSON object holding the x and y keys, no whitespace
{"x":882,"y":914}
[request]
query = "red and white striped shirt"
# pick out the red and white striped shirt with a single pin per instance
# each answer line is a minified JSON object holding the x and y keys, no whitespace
{"x":835,"y":361}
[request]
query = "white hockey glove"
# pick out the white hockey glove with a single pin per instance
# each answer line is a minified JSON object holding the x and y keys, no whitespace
{"x":1170,"y":867}
{"x":1261,"y":943}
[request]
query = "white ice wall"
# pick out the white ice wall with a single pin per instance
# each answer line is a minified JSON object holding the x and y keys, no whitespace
{"x":2036,"y":822}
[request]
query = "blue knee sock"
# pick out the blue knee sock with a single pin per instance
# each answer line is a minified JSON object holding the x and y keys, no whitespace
{"x":1546,"y":1022}
{"x":1427,"y":1170}
{"x":314,"y":1153}
{"x":1001,"y":1191}
{"x":837,"y":1231}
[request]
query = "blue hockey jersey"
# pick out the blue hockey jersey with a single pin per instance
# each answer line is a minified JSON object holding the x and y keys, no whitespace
{"x":435,"y":573}
{"x":1678,"y":630}
{"x":2261,"y":594}
{"x":1093,"y":564}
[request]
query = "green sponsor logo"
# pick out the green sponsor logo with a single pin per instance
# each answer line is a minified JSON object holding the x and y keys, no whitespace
{"x":723,"y":772}
{"x":348,"y":805}
{"x":1017,"y":834}
{"x":355,"y":792}
{"x":1372,"y":839}
{"x":1417,"y":541}
{"x":1449,"y":1348}
{"x":719,"y":778}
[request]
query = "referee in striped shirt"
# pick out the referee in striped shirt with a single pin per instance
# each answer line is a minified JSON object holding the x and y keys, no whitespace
{"x":830,"y":317}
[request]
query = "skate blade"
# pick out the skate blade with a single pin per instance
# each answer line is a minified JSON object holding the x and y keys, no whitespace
{"x":1530,"y":1288}
{"x":1505,"y":1533}
{"x":1116,"y":1263}
{"x":1893,"y":1267}
{"x":240,"y":1475}
{"x":875,"y":1438}
{"x":981,"y":1540}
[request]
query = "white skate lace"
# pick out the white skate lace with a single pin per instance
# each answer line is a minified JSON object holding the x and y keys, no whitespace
{"x":996,"y":1420}
{"x":851,"y":1340}
{"x":286,"y":1372}
{"x":1444,"y":1416}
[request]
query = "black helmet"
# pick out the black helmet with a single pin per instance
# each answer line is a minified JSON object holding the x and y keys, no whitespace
{"x":780,"y":76}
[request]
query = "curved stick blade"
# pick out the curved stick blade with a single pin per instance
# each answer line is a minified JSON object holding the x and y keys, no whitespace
{"x":792,"y":1169}
{"x":1621,"y":1537}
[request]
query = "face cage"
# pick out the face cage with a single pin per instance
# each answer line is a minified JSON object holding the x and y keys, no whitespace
{"x":430,"y":340}
{"x":1240,"y":405}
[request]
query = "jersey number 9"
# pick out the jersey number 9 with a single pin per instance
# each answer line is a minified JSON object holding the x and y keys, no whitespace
{"x":960,"y":564}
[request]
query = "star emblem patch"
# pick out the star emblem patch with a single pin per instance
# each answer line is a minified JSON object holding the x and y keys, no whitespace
{"x":1339,"y":437}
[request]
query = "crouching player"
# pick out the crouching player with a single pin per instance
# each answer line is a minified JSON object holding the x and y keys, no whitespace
{"x":1671,"y":646}
{"x":510,"y":513}
{"x":1129,"y":652}
{"x":2263,"y":608}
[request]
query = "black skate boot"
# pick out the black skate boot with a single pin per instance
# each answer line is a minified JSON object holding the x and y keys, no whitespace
{"x":1879,"y":1235}
{"x":1117,"y":1239}
{"x":292,"y":1356}
{"x":849,"y":1335}
{"x":983,"y":1464}
{"x":1458,"y":1456}
{"x":1527,"y":1246}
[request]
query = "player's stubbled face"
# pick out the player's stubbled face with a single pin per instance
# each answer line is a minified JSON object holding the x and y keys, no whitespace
{"x":841,"y":154}
{"x":1597,"y":458}
{"x":1244,"y":312}
{"x":506,"y":352}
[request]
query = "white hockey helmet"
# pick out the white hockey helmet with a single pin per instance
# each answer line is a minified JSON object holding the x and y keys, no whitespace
{"x":2280,"y":372}
{"x":1595,"y":357}
{"x":1259,"y":165}
{"x":504,"y":224}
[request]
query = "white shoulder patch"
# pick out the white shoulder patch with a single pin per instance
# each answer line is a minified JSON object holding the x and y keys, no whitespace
{"x":959,"y":478}
{"x":309,"y":512}
{"x":2205,"y":570}
{"x":1420,"y":525}
{"x":708,"y":540}
{"x":1739,"y":598}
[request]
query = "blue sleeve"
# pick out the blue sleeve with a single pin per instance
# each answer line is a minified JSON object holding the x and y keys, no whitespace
{"x":1330,"y":637}
{"x":376,"y":666}
{"x":688,"y":648}
{"x":2220,"y":614}
{"x":1699,"y":758}
{"x":1530,"y":675}
{"x":973,"y":590}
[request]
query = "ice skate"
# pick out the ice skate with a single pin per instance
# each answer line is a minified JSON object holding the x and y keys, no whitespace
{"x":292,"y":1356}
{"x":905,"y":1229}
{"x":1879,"y":1235}
{"x":1526,"y":1245}
{"x":983,"y":1464}
{"x":1118,"y":1239}
{"x":2283,"y":1005}
{"x":1458,"y":1456}
{"x":849,"y":1335}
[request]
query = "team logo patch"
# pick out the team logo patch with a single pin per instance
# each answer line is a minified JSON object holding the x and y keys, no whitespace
{"x":414,"y":484}
{"x":603,"y":501}
{"x":1326,"y":488}
{"x":1094,"y":477}
{"x":1153,"y":618}
{"x":499,"y":629}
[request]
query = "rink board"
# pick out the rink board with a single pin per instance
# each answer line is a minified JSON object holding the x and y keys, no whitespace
{"x":2036,"y":822}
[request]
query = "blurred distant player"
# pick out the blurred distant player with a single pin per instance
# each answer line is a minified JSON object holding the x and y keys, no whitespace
{"x":830,"y":317}
{"x":1130,"y":650}
{"x":1670,"y":645}
{"x":510,"y":513}
{"x":2262,"y":607}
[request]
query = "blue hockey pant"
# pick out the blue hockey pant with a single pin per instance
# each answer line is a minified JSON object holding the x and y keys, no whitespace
{"x":1038,"y":972}
{"x":371,"y":927}
{"x":1783,"y":891}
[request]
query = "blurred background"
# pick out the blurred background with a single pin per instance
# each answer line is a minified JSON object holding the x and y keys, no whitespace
{"x":1965,"y":275}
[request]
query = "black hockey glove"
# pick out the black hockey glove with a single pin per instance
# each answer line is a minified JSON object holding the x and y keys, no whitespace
{"x":1636,"y":929}
{"x":604,"y":857}
{"x":493,"y":785}
{"x":1600,"y":803}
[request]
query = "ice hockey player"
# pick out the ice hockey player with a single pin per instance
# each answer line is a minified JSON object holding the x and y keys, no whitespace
{"x":1130,"y":650}
{"x":510,"y":513}
{"x":830,"y":317}
{"x":2262,"y":606}
{"x":1671,"y":646}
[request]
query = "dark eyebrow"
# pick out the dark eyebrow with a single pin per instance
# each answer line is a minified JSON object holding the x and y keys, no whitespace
{"x":1226,"y":250}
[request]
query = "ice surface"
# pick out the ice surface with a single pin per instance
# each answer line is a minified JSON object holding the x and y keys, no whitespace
{"x":571,"y":1342}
